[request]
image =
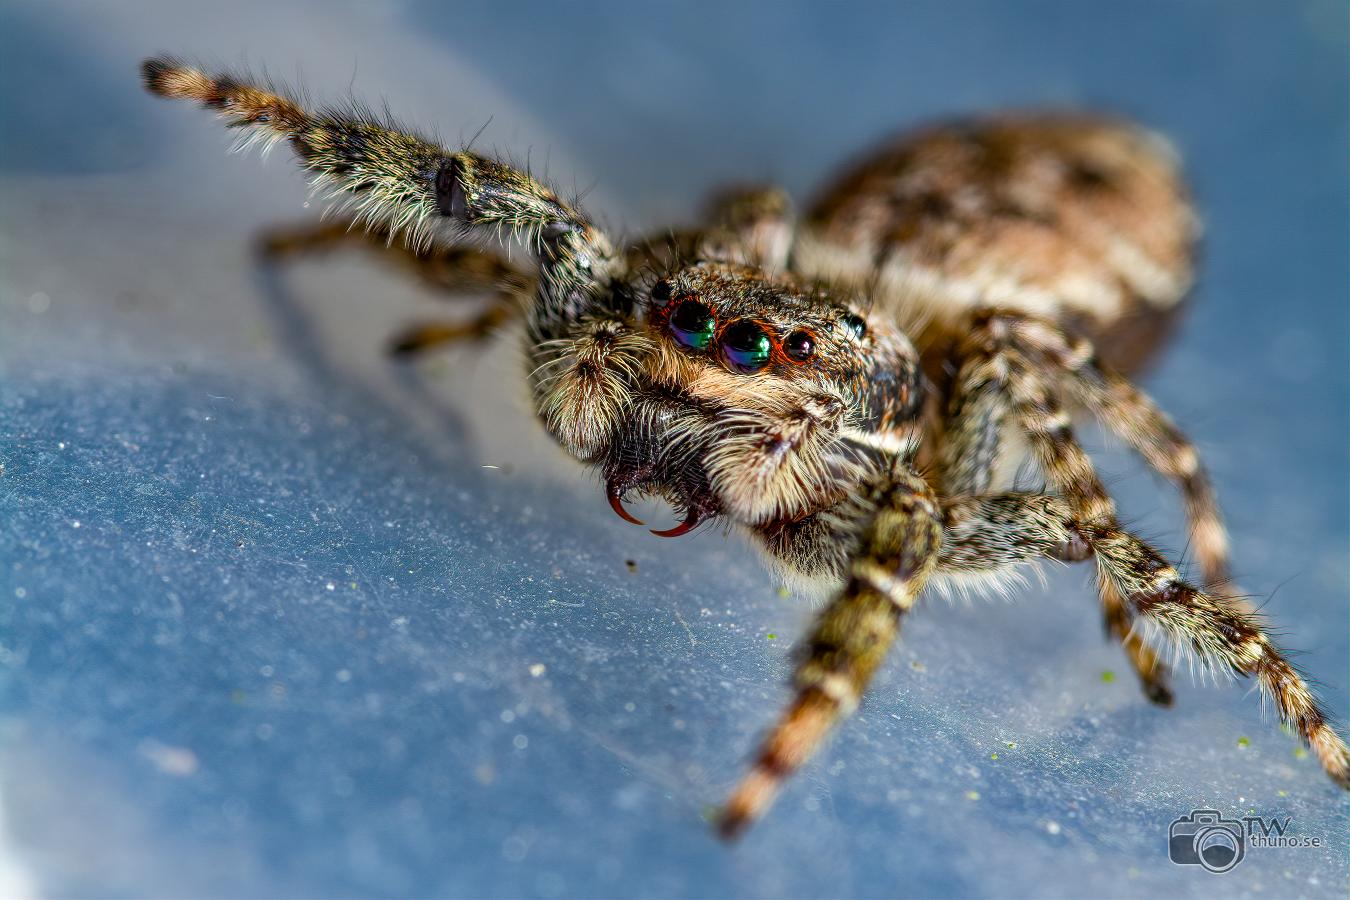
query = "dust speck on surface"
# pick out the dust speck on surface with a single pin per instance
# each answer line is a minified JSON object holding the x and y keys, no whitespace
{"x":171,"y":760}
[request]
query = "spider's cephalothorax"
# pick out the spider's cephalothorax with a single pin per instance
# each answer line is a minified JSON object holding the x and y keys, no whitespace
{"x":759,"y":399}
{"x":851,"y":389}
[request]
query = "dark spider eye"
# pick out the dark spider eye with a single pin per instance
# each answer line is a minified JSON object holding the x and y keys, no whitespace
{"x":854,"y":324}
{"x":692,"y":323}
{"x":661,"y":292}
{"x":746,"y":346}
{"x":799,"y":346}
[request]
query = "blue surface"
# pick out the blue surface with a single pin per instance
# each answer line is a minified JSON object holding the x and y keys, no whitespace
{"x":282,"y":617}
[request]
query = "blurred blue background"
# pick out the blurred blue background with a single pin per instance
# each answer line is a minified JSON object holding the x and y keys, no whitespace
{"x":283,"y":617}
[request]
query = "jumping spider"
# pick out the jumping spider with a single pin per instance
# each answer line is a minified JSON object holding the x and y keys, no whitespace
{"x":850,"y":388}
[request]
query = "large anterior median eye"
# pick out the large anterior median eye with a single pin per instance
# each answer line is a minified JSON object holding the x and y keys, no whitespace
{"x":746,"y":346}
{"x":692,"y":324}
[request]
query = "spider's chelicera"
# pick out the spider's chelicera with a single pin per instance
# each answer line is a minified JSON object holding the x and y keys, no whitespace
{"x":939,"y":309}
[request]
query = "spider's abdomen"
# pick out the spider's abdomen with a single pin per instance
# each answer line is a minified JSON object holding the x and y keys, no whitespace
{"x":1078,"y":219}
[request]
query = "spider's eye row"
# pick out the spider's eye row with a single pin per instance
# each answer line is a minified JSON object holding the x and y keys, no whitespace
{"x":746,"y":346}
{"x":799,"y":346}
{"x":693,"y":324}
{"x":854,"y":324}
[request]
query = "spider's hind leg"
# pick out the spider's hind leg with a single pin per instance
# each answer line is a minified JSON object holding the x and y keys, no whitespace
{"x":1120,"y":624}
{"x":997,"y":385}
{"x":1218,"y":631}
{"x":1133,"y":417}
{"x":988,"y":534}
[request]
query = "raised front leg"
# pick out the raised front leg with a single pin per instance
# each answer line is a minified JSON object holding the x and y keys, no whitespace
{"x":387,"y":179}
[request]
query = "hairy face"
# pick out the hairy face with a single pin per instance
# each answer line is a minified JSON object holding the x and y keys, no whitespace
{"x":732,"y":334}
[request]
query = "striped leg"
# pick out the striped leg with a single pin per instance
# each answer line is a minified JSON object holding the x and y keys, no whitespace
{"x":1136,"y":419}
{"x":449,"y":270}
{"x":390,"y":180}
{"x":997,"y":383}
{"x":896,"y":554}
{"x":984,"y":536}
{"x":1218,"y":631}
{"x":1068,"y":467}
{"x":975,"y":424}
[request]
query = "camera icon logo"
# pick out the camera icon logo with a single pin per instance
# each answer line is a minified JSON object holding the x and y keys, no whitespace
{"x":1206,"y":840}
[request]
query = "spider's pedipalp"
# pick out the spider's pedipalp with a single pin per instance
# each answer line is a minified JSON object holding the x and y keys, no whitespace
{"x":583,"y":384}
{"x":777,"y":464}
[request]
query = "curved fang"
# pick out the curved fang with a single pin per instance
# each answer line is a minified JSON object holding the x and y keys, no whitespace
{"x":616,"y":504}
{"x":689,"y":524}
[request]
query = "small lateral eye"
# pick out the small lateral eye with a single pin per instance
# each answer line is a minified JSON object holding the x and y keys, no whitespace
{"x":854,"y":324}
{"x":799,"y":346}
{"x":746,"y":346}
{"x":692,"y":324}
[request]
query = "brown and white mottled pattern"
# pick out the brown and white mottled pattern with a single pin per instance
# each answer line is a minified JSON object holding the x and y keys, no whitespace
{"x":1065,"y":216}
{"x":848,"y":390}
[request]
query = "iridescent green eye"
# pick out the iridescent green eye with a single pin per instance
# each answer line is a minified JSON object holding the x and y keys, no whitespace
{"x":746,"y":346}
{"x":854,"y":324}
{"x":692,"y":324}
